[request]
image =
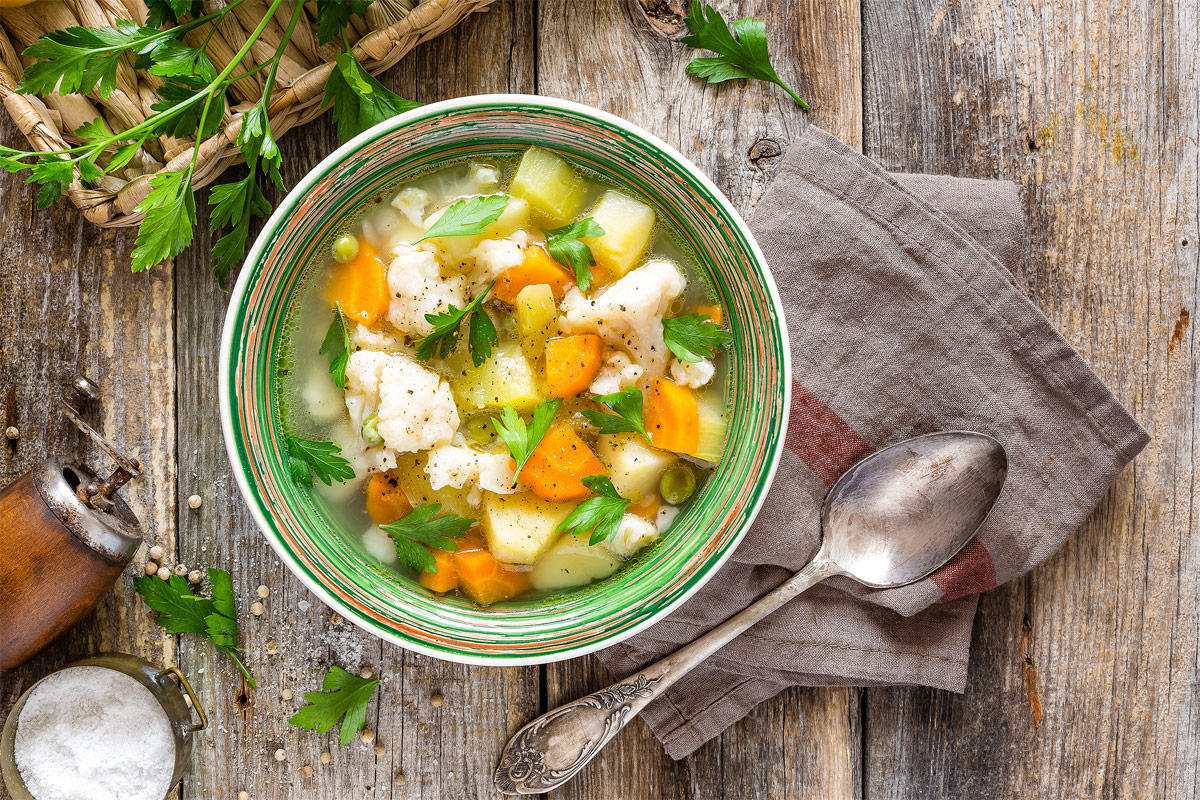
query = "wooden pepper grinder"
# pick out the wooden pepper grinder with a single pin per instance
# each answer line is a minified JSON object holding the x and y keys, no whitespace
{"x":65,"y":536}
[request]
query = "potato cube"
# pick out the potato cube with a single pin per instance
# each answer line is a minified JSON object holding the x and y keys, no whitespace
{"x":628,"y":225}
{"x":550,"y":184}
{"x":520,"y":527}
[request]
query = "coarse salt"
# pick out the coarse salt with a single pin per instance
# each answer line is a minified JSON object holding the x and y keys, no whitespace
{"x":90,"y":733}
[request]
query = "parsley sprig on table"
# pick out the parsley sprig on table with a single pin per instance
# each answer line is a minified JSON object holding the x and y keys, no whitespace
{"x":601,"y":514}
{"x":421,"y":528}
{"x":467,"y":217}
{"x":741,"y":52}
{"x":693,"y":337}
{"x":481,"y":331}
{"x":627,"y":404}
{"x":192,"y":103}
{"x":308,"y":458}
{"x":182,"y":611}
{"x":523,"y":439}
{"x":343,"y":696}
{"x":564,"y":247}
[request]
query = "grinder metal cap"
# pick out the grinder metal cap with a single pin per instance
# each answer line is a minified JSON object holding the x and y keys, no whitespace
{"x":87,"y":506}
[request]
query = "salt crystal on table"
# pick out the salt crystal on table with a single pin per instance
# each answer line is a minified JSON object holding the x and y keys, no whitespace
{"x":90,"y":733}
{"x":304,"y":605}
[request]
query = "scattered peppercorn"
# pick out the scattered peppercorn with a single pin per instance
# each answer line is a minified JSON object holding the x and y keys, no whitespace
{"x":335,"y":618}
{"x":151,"y":568}
{"x":157,"y":553}
{"x":272,"y":647}
{"x":243,"y":796}
{"x":326,"y":758}
{"x":181,"y":570}
{"x":164,"y":572}
{"x":436,"y":700}
{"x":11,"y":433}
{"x":366,"y":672}
{"x":367,"y":735}
{"x":280,"y":755}
{"x":194,"y":501}
{"x":286,"y":694}
{"x":306,"y":771}
{"x":195,"y":576}
{"x":257,"y":609}
{"x":379,"y":749}
{"x":262,"y":591}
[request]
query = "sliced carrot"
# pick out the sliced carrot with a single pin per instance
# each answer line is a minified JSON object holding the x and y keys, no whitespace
{"x":385,"y":500}
{"x":446,"y":577}
{"x":648,"y":508}
{"x":485,"y":580}
{"x":712,"y":312}
{"x":538,"y":267}
{"x":556,"y":468}
{"x":672,"y":417}
{"x":360,"y":285}
{"x":571,"y":363}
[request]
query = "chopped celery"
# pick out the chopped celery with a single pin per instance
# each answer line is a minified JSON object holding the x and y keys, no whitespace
{"x":713,"y":425}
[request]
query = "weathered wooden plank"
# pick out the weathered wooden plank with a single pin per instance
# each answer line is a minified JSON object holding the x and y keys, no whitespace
{"x":607,"y":54}
{"x":1093,"y":110}
{"x":70,"y":305}
{"x":444,"y":751}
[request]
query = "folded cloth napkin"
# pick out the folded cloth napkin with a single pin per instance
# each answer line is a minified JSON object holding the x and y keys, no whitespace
{"x":905,"y":317}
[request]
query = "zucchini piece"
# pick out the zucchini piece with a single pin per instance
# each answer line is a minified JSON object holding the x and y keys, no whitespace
{"x":537,"y":318}
{"x":628,"y":225}
{"x":504,"y":379}
{"x":550,"y":184}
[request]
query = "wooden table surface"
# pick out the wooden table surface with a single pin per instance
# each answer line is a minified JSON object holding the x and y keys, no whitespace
{"x":1085,"y":675}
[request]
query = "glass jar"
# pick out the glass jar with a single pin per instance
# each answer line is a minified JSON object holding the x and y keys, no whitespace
{"x":166,"y":685}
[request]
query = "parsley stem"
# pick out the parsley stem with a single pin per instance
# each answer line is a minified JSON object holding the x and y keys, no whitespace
{"x":799,"y":100}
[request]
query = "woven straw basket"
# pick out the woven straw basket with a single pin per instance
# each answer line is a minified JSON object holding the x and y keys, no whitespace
{"x":47,"y":121}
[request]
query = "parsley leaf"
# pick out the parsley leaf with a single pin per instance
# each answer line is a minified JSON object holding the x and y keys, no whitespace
{"x":741,"y":53}
{"x":194,"y":118}
{"x":523,"y":439}
{"x":170,"y":211}
{"x":334,"y":15}
{"x":467,"y":217}
{"x":342,"y":696}
{"x":420,"y":527}
{"x":80,"y":60}
{"x":359,"y":101}
{"x":182,"y":611}
{"x":337,"y":346}
{"x":601,"y":515}
{"x":627,"y":404}
{"x":307,"y":458}
{"x":564,"y":246}
{"x":694,"y":336}
{"x":442,"y":341}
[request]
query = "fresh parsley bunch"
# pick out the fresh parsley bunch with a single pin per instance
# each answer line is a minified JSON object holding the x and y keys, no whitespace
{"x":344,"y":696}
{"x":193,"y":104}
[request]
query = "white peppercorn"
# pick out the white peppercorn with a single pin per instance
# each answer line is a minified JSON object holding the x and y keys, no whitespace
{"x":194,"y":501}
{"x":157,"y":553}
{"x":164,"y":572}
{"x":326,"y":757}
{"x":367,"y":735}
{"x":262,"y":591}
{"x":195,"y":576}
{"x":280,"y":755}
{"x":366,"y":672}
{"x":257,"y":609}
{"x":151,"y":568}
{"x":181,"y":570}
{"x":11,"y":433}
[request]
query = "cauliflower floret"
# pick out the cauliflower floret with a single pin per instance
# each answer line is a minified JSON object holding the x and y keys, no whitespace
{"x":494,"y":256}
{"x":617,"y":373}
{"x":418,"y":289}
{"x":411,"y":202}
{"x":323,"y":399}
{"x":633,"y":534}
{"x":483,"y":177}
{"x":380,"y":545}
{"x":415,"y":407}
{"x":364,"y":338}
{"x":693,"y":374}
{"x":459,"y":466}
{"x":363,"y":460}
{"x":629,"y":313}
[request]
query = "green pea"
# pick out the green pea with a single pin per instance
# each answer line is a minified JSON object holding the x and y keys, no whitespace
{"x":677,"y":484}
{"x":480,"y":429}
{"x":345,"y":247}
{"x":370,"y":431}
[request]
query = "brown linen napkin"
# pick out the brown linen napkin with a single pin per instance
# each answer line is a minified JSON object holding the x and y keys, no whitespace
{"x":905,"y":317}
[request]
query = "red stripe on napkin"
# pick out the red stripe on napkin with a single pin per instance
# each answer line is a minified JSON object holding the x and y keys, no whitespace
{"x":822,"y":439}
{"x":969,"y":572}
{"x":829,"y":446}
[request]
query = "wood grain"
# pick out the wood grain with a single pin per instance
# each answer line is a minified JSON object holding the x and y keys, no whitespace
{"x":1093,"y":110}
{"x":607,"y":54}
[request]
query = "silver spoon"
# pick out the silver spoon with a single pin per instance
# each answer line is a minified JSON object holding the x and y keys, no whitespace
{"x":892,"y":519}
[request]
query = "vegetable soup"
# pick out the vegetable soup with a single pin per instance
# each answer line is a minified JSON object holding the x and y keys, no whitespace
{"x":506,"y":378}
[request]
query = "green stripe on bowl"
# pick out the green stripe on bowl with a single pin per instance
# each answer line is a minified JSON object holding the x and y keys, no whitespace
{"x":521,"y":631}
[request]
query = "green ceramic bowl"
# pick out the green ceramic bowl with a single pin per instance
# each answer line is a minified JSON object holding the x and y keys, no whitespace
{"x":397,"y":609}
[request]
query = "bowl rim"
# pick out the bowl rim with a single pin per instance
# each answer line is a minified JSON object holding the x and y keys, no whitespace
{"x":301,"y":188}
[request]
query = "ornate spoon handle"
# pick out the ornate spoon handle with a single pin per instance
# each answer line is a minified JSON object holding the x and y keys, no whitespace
{"x":548,"y":751}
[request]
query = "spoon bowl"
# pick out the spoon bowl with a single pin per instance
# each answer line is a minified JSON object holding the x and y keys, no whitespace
{"x":899,"y":514}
